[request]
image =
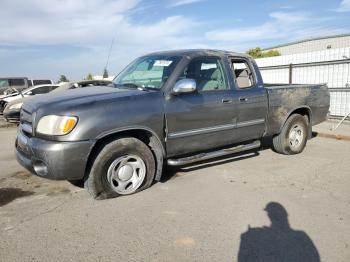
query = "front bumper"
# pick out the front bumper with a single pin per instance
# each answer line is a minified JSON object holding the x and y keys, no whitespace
{"x":12,"y":115}
{"x":51,"y":159}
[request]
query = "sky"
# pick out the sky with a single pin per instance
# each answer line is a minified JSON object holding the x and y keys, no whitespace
{"x":48,"y":38}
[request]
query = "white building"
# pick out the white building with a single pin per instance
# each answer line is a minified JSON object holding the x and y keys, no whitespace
{"x":313,"y":44}
{"x":314,"y":61}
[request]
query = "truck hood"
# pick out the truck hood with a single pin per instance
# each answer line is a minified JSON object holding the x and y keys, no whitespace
{"x":80,"y":96}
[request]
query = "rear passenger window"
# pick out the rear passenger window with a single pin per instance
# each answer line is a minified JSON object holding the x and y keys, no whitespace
{"x":208,"y":74}
{"x":243,"y":73}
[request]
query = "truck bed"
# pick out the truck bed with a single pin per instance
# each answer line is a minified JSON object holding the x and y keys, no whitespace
{"x":285,"y":98}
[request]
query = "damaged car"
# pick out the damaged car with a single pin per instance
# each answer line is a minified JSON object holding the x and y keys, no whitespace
{"x":173,"y":108}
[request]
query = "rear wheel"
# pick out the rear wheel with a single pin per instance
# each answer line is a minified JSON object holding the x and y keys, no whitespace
{"x":123,"y":167}
{"x":293,"y":138}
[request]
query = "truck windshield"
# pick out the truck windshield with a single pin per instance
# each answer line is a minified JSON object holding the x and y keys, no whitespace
{"x":147,"y":72}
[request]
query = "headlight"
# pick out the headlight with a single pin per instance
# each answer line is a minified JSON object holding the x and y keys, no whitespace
{"x":56,"y":125}
{"x":16,"y":106}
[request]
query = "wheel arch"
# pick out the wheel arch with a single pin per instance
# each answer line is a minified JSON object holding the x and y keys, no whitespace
{"x":302,"y":110}
{"x":144,"y":134}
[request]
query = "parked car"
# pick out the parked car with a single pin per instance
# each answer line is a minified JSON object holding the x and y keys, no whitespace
{"x":13,"y":106}
{"x":10,"y":85}
{"x":12,"y":110}
{"x":175,"y":107}
{"x":35,"y":90}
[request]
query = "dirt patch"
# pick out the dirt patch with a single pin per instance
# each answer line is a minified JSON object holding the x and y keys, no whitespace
{"x":332,"y":136}
{"x":58,"y":190}
{"x":22,"y":175}
{"x":26,"y":182}
{"x":185,"y":241}
{"x":9,"y":194}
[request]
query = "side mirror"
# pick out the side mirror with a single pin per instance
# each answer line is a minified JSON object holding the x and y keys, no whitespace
{"x":29,"y":93}
{"x":184,"y":86}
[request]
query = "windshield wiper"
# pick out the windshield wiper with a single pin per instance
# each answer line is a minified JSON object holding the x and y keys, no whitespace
{"x":140,"y":87}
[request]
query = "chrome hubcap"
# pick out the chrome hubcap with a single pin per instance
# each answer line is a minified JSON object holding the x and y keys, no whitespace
{"x":296,"y":136}
{"x":126,"y":174}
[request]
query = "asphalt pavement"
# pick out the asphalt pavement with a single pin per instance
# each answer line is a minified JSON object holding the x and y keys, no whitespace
{"x":233,"y":209}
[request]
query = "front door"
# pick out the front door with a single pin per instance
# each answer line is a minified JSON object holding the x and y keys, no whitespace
{"x":203,"y":119}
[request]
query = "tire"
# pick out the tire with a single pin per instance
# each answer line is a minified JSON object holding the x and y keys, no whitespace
{"x":292,"y":140}
{"x":122,"y":167}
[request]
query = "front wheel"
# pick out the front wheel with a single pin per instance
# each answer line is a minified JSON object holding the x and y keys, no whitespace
{"x":293,"y":138}
{"x":123,"y":167}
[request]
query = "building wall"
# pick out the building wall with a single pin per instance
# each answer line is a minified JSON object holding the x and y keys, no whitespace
{"x":331,"y":66}
{"x":335,"y":42}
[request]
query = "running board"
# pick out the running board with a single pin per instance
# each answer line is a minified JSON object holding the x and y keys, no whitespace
{"x":205,"y":156}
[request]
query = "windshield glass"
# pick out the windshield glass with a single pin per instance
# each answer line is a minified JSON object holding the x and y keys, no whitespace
{"x":4,"y":83}
{"x":148,"y":72}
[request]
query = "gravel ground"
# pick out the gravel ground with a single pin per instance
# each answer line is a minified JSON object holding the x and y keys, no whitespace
{"x":210,"y":212}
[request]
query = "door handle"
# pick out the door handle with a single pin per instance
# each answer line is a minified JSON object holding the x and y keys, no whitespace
{"x":243,"y":99}
{"x":226,"y":101}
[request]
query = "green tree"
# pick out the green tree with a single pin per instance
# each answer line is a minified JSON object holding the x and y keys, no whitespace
{"x":254,"y":52}
{"x":105,"y":73}
{"x":258,"y":53}
{"x":89,"y":77}
{"x":63,"y":78}
{"x":271,"y":53}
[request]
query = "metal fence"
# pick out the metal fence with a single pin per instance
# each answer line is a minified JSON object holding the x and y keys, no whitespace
{"x":327,"y":66}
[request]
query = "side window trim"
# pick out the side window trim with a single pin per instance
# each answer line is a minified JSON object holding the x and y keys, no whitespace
{"x":250,"y":67}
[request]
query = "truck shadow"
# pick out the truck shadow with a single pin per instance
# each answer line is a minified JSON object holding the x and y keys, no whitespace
{"x":7,"y":195}
{"x":277,"y":242}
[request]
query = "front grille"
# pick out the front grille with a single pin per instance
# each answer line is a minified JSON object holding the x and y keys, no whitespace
{"x":26,"y":122}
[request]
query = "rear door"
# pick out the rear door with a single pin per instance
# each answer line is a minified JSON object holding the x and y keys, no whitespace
{"x":206,"y":118}
{"x":251,"y":97}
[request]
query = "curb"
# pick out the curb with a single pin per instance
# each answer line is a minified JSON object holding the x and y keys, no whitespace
{"x":332,"y":136}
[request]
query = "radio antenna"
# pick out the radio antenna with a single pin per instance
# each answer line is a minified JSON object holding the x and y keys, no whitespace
{"x":109,"y":53}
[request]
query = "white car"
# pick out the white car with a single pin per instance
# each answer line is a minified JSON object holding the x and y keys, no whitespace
{"x":35,"y":90}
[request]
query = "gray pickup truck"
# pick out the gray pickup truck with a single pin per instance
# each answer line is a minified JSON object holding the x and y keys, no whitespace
{"x":173,"y":108}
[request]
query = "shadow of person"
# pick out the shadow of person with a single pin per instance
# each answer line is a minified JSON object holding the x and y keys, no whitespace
{"x":279,"y":242}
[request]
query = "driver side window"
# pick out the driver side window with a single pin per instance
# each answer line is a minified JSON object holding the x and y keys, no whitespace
{"x":207,"y":72}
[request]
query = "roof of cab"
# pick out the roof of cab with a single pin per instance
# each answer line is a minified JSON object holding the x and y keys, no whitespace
{"x":199,"y":52}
